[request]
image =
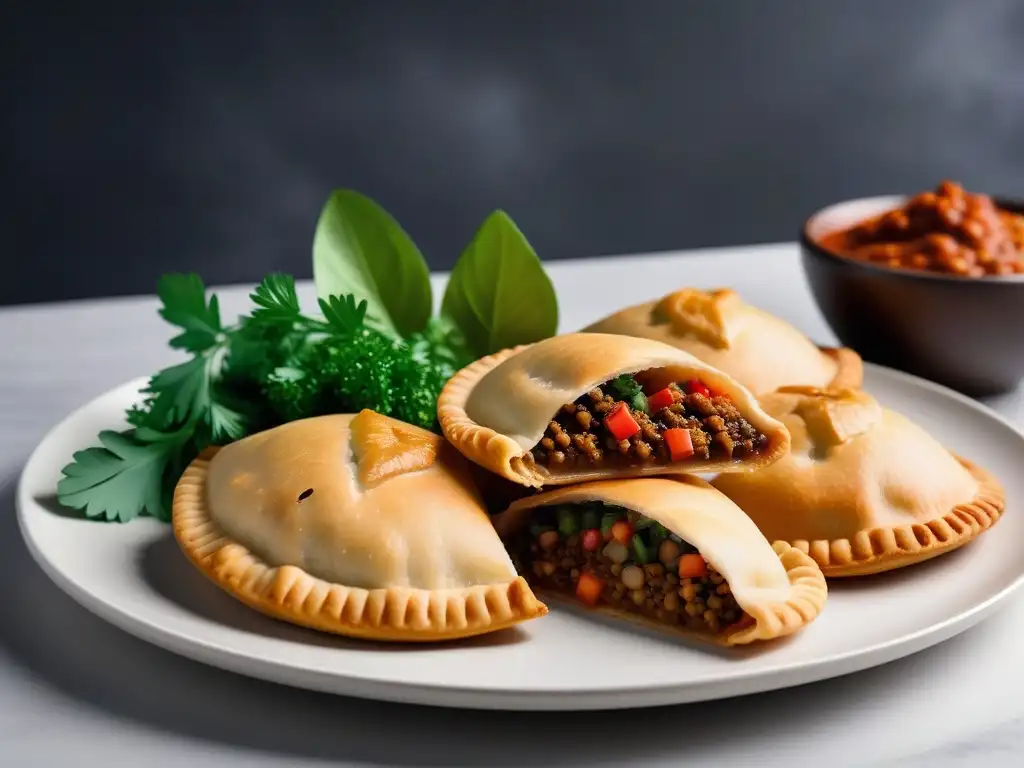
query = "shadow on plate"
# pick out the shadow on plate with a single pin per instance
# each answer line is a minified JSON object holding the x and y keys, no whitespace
{"x":50,"y":504}
{"x":163,"y":566}
{"x":102,"y":670}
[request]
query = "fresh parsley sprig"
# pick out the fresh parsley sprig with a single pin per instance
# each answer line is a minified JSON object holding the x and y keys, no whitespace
{"x":376,"y":346}
{"x":210,"y":398}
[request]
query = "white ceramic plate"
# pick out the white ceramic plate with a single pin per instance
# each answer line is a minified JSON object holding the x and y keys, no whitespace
{"x":134,"y":576}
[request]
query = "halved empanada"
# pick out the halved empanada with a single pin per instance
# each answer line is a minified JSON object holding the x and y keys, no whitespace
{"x":667,"y":552}
{"x":864,"y":489}
{"x":584,"y":406}
{"x":761,"y":351}
{"x":358,"y":525}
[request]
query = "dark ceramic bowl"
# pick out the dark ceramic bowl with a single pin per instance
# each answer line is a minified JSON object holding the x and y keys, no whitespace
{"x":966,"y":333}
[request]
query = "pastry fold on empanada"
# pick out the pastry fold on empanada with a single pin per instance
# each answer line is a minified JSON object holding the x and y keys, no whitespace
{"x":863,"y":489}
{"x":584,"y":406}
{"x":673,"y":553}
{"x":359,"y":525}
{"x":761,"y":351}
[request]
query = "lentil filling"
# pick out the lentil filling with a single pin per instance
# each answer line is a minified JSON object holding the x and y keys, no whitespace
{"x":607,"y":555}
{"x":618,"y":422}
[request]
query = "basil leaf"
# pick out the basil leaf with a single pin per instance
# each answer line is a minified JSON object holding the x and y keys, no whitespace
{"x":499,"y":294}
{"x":360,"y":249}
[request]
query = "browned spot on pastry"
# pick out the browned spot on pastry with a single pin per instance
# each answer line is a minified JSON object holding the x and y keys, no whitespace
{"x":704,"y":314}
{"x":384,"y":447}
{"x":833,"y":416}
{"x":305,"y":494}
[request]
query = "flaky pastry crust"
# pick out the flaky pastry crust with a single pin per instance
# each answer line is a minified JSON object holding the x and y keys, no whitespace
{"x":356,"y":525}
{"x":864,"y":490}
{"x":761,"y":351}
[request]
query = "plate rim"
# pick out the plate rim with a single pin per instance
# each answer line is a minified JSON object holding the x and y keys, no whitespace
{"x":739,"y":682}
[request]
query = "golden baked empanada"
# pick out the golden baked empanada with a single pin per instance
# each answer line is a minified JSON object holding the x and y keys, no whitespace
{"x":761,"y":351}
{"x":585,"y":406}
{"x":668,"y":552}
{"x":863,"y":489}
{"x":360,"y":525}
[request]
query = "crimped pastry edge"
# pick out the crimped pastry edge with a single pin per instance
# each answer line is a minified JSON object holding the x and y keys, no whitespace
{"x":486,"y":447}
{"x":774,"y":620}
{"x":480,"y":444}
{"x":291,"y":594}
{"x":882,"y":549}
{"x":849,"y":367}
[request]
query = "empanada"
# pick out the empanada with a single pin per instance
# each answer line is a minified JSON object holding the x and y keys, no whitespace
{"x":864,"y":489}
{"x":360,"y":525}
{"x":584,"y":406}
{"x":761,"y":351}
{"x":673,"y":553}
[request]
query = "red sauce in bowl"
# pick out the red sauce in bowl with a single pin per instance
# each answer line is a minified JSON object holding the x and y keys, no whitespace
{"x":949,"y":231}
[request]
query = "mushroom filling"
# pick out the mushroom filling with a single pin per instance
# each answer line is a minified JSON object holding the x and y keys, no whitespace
{"x":607,"y":555}
{"x":618,"y":422}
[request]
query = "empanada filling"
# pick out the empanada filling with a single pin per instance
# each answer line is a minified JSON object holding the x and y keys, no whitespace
{"x":618,"y":422}
{"x":607,"y":555}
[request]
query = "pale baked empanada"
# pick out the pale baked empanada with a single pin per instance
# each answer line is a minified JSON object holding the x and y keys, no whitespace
{"x":761,"y":351}
{"x":571,"y":408}
{"x":359,"y":525}
{"x":864,"y":489}
{"x":669,"y":552}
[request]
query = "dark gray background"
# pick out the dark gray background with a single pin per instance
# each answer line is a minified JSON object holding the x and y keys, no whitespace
{"x":147,"y":137}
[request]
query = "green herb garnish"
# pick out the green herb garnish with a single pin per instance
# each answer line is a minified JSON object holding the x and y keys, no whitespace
{"x":375,"y":346}
{"x":498,"y":293}
{"x":360,"y":249}
{"x":628,"y":389}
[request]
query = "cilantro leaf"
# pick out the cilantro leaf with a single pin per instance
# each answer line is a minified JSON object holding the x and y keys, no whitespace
{"x":184,"y":305}
{"x":226,"y":423}
{"x":625,"y":386}
{"x":121,"y":480}
{"x":630,"y":390}
{"x":276,"y":299}
{"x":181,"y":393}
{"x":342,"y":313}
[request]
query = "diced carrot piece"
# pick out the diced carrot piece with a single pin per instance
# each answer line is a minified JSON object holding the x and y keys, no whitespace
{"x":663,"y":398}
{"x":620,"y":422}
{"x":697,"y":387}
{"x":591,"y":539}
{"x":692,"y":567}
{"x":679,"y":443}
{"x":622,"y":532}
{"x":588,"y":588}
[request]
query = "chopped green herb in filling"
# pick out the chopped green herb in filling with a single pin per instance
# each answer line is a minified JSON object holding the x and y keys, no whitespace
{"x":607,"y":555}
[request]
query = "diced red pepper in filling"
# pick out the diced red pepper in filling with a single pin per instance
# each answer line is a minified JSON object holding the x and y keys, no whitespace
{"x":697,"y":387}
{"x":591,"y":539}
{"x":588,"y":588}
{"x":622,"y":532}
{"x":620,"y":422}
{"x":679,"y":443}
{"x":692,"y":567}
{"x":663,"y":398}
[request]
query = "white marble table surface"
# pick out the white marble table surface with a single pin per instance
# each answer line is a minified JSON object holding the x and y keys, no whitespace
{"x":74,"y":690}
